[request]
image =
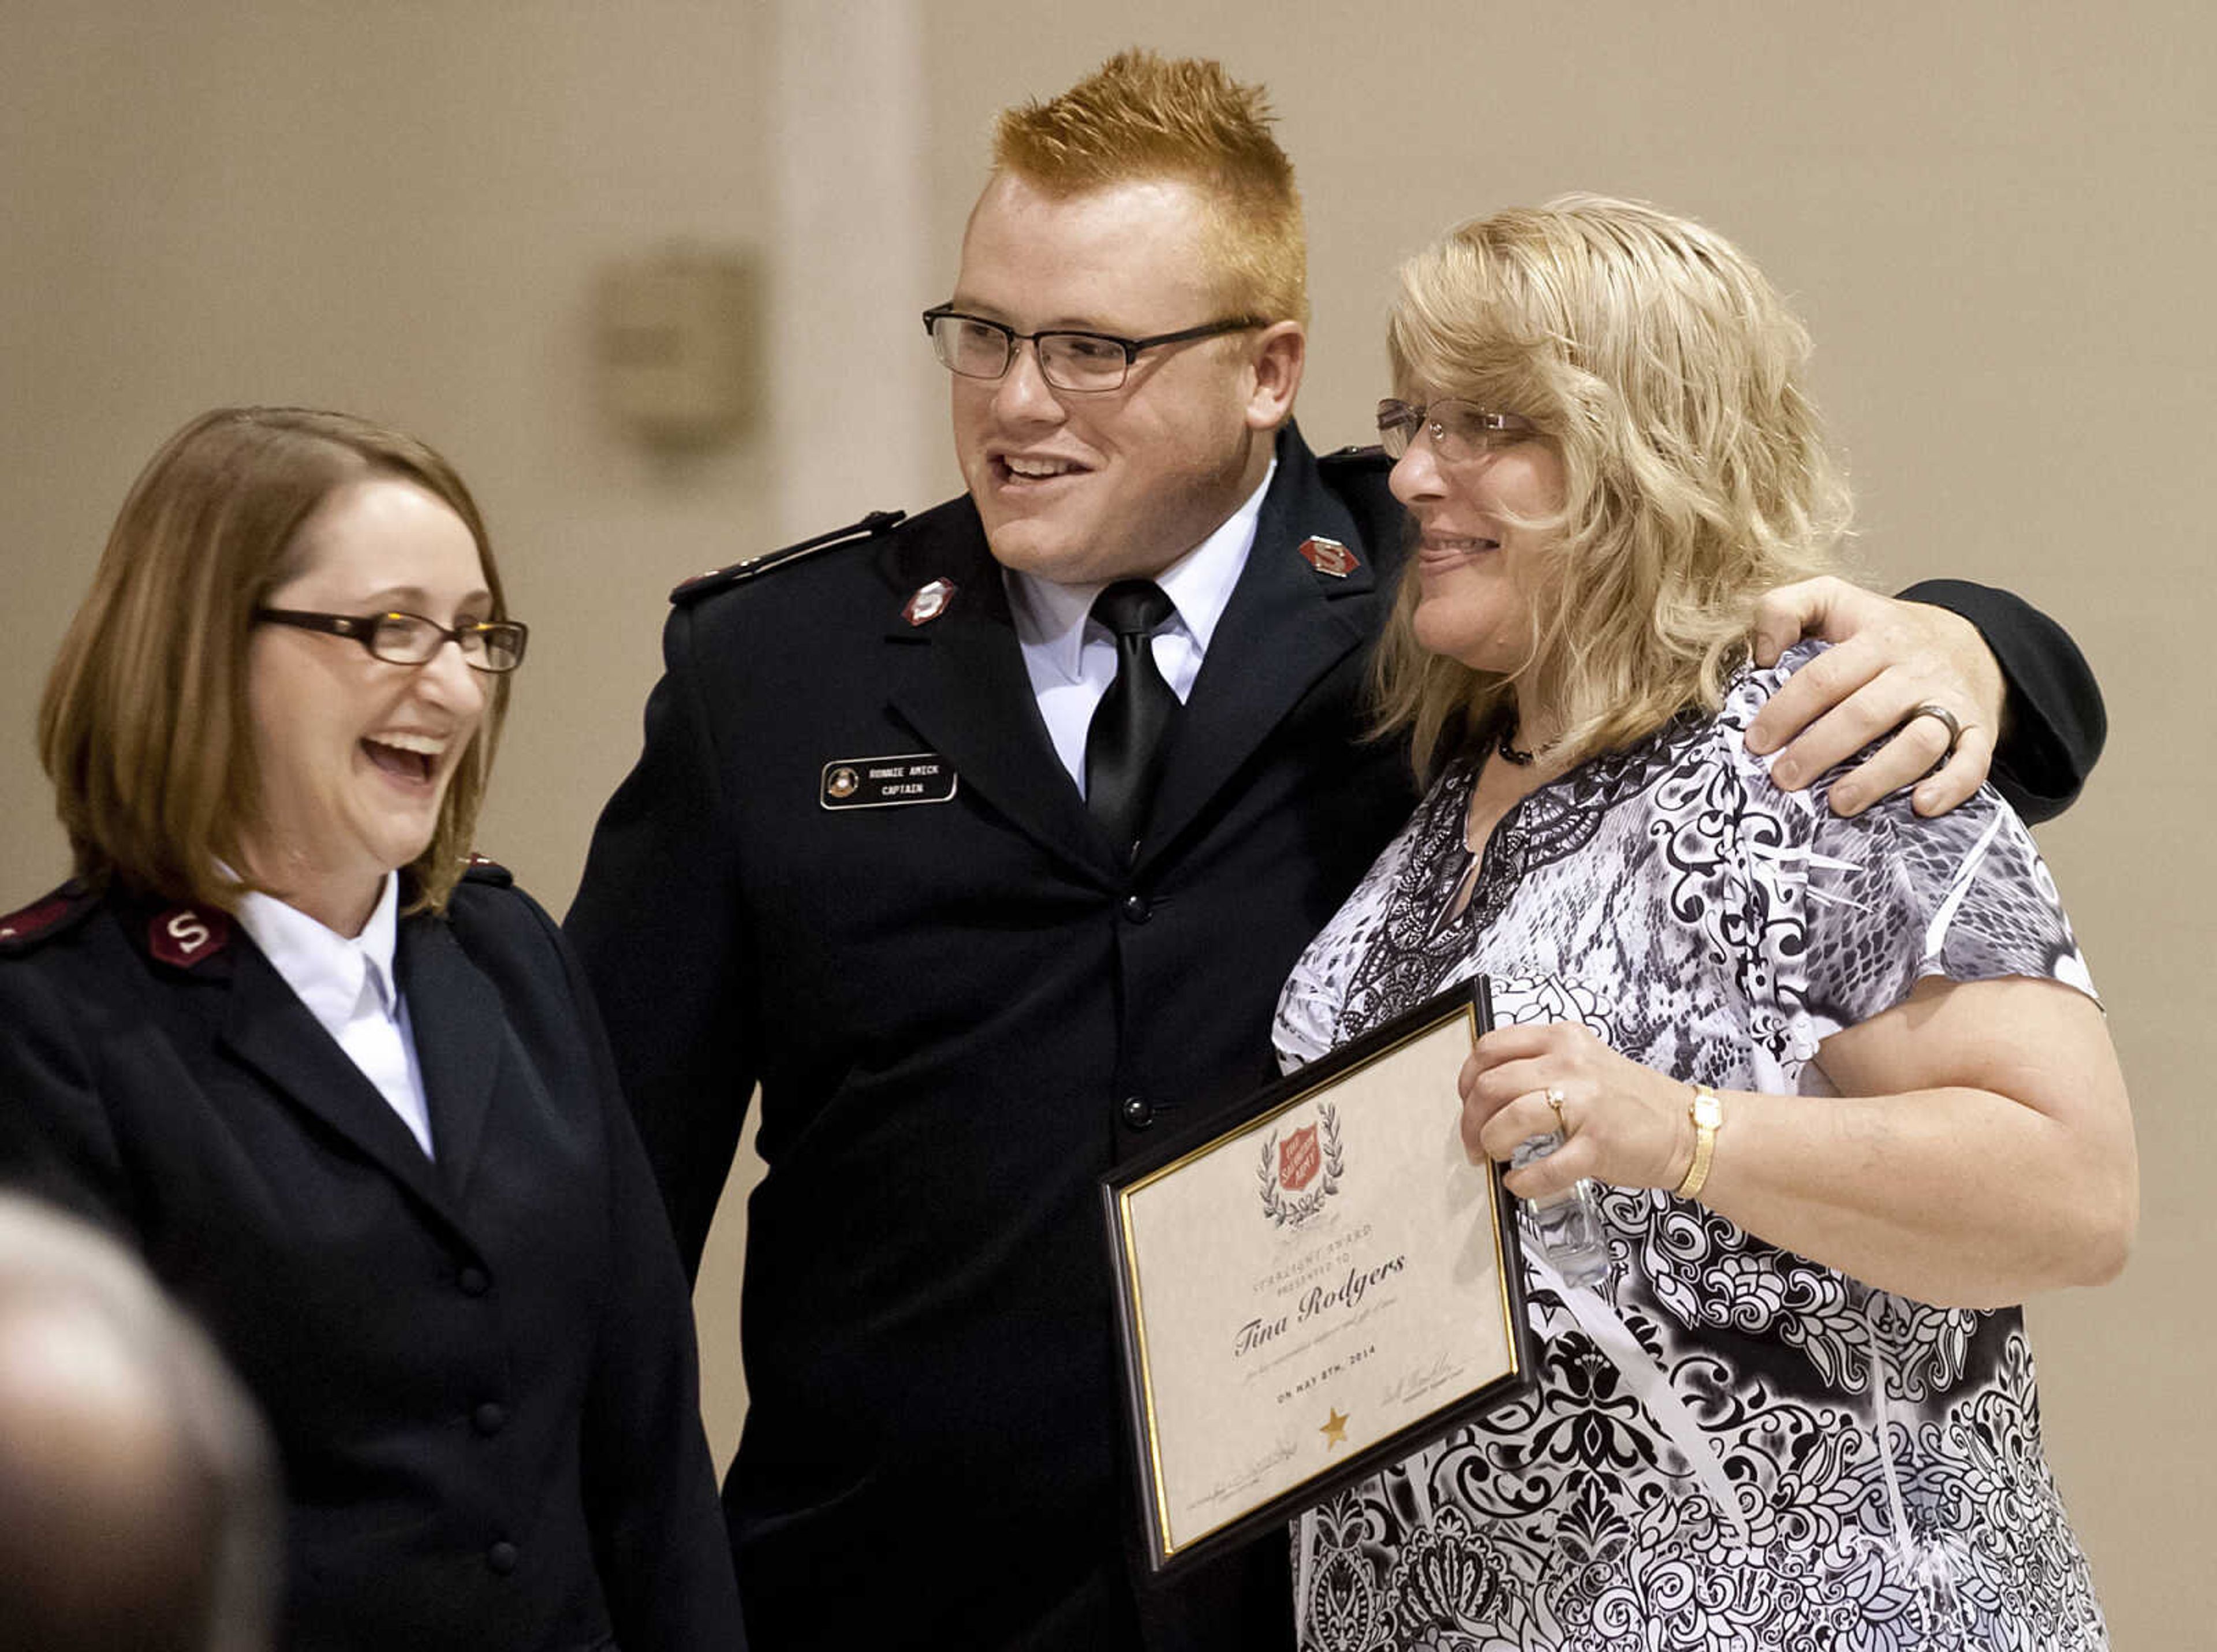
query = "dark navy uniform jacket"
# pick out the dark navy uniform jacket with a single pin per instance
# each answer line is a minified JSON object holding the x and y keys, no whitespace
{"x":479,"y":1370}
{"x":962,"y":1005}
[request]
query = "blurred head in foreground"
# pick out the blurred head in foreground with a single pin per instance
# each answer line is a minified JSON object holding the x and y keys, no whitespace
{"x":138,"y":1494}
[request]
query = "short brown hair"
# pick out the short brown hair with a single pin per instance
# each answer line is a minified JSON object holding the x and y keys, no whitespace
{"x":1668,"y":374}
{"x":145,"y":726}
{"x":1141,"y":115}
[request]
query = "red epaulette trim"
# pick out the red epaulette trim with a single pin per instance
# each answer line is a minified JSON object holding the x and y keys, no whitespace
{"x":50,"y":915}
{"x":483,"y":869}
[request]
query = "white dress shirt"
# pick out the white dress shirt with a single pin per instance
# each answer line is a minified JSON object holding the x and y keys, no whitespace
{"x":1072,"y":658}
{"x":349,"y":987}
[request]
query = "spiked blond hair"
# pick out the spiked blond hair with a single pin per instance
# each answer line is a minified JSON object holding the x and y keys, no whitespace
{"x":1140,"y":115}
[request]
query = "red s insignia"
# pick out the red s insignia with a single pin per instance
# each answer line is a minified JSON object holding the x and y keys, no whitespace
{"x":1329,"y":556}
{"x":929,"y":603}
{"x":185,"y":936}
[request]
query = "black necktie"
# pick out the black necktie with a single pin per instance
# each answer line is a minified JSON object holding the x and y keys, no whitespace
{"x":1124,"y":745}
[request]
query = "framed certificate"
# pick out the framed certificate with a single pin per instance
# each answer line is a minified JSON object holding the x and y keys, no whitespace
{"x":1322,"y":1285}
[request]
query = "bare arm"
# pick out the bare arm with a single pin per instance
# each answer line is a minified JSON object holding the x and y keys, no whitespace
{"x":1981,"y":1148}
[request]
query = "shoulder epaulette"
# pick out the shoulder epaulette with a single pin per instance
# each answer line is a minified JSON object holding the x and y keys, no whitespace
{"x":1361,"y":478}
{"x":1356,"y":458}
{"x":482,"y":869}
{"x":724,"y":579}
{"x":48,"y":916}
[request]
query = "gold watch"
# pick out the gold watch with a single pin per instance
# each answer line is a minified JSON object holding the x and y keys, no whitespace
{"x":1708,"y":1116}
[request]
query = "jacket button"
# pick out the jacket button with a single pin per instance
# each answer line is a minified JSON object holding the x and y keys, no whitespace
{"x":1139,"y":1113}
{"x":1136,"y":909}
{"x":501,"y":1557}
{"x":488,"y":1418}
{"x":473,"y":1282}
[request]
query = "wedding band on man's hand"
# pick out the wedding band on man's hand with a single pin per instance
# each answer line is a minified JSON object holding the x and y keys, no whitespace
{"x":1947,"y":720}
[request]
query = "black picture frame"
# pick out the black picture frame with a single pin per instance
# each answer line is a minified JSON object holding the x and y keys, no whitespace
{"x":1470,"y":1003}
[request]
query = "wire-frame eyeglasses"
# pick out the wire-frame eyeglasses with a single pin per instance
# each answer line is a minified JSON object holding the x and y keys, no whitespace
{"x":1459,"y":430}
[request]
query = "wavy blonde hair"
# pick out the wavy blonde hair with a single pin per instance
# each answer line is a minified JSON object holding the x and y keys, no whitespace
{"x":1667,"y":375}
{"x":145,"y":728}
{"x":1141,"y":115}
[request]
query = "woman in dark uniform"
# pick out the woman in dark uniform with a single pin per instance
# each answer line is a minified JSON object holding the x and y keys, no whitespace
{"x":339,"y":1082}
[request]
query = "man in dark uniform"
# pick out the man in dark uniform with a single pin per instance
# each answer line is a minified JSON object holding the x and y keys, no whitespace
{"x":984,"y":840}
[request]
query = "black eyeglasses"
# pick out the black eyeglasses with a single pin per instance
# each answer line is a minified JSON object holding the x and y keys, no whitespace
{"x":978,"y":348}
{"x":494,"y":646}
{"x":1459,"y":430}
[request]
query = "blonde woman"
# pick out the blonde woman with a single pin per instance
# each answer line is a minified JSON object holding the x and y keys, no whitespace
{"x":1843,"y":1082}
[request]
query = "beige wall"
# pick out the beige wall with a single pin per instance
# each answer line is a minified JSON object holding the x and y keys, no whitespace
{"x":1995,"y":216}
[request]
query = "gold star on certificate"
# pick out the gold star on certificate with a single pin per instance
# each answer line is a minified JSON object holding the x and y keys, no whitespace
{"x":1334,"y":1429}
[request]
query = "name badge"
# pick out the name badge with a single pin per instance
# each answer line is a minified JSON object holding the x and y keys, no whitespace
{"x":886,"y":783}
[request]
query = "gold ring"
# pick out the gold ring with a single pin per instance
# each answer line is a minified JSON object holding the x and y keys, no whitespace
{"x":1555,"y":1099}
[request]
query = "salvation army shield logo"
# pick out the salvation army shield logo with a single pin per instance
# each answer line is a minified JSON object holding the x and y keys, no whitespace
{"x":1298,"y":1173}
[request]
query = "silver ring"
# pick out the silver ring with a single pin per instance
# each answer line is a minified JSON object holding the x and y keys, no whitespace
{"x":1946,"y":719}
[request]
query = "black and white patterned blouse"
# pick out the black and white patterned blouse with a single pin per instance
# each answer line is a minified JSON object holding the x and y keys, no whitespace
{"x":1732,"y":1446}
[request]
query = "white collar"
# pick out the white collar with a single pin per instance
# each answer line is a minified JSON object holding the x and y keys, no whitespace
{"x":1051,"y":617}
{"x":326,"y":968}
